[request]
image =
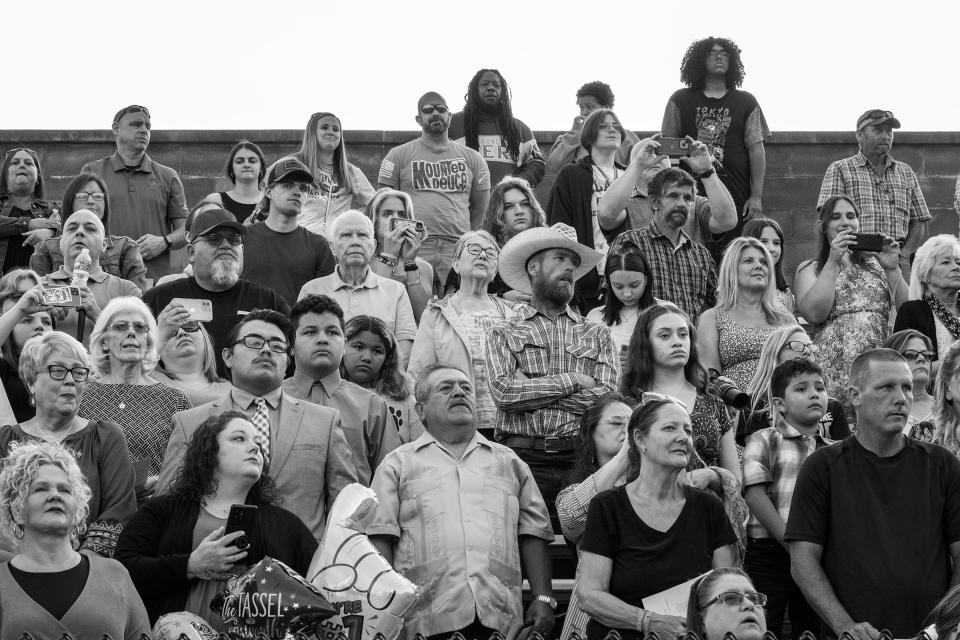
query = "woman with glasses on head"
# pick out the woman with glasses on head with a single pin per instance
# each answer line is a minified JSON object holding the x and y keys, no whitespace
{"x":453,"y":330}
{"x":786,"y":343}
{"x":26,"y":219}
{"x":933,"y":307}
{"x":187,"y":360}
{"x":653,"y":532}
{"x":917,"y":350}
{"x":246,"y":169}
{"x":121,"y":255}
{"x":725,"y":602}
{"x":22,"y":316}
{"x":123,"y":346}
{"x":398,"y":246}
{"x":56,"y":369}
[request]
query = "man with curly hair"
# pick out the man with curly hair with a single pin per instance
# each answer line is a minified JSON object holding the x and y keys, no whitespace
{"x":487,"y":125}
{"x":714,"y":110}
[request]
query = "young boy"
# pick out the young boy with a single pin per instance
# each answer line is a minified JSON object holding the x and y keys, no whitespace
{"x":771,"y":461}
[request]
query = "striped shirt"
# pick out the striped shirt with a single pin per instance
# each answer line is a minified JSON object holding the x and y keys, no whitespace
{"x":889,"y":201}
{"x":685,"y":274}
{"x":531,"y":362}
{"x":773,"y":457}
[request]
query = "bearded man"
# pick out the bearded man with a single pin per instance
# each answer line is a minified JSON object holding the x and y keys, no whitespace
{"x":216,"y":257}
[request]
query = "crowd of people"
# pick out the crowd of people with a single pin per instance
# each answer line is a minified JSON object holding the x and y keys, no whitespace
{"x":507,"y":346}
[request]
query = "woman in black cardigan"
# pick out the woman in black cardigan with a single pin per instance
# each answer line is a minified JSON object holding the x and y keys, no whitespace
{"x":174,"y":547}
{"x":933,"y":308}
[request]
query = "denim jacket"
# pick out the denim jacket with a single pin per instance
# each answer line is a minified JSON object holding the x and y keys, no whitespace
{"x":10,"y":227}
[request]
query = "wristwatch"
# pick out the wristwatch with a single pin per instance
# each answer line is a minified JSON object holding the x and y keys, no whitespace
{"x":549,"y":600}
{"x":706,"y":174}
{"x":410,"y":265}
{"x":167,"y":240}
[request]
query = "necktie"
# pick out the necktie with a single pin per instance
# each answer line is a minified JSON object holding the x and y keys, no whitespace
{"x":261,"y":422}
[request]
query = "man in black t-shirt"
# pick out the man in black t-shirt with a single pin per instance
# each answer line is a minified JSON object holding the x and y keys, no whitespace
{"x":216,"y":254}
{"x":280,"y":254}
{"x":875,"y":519}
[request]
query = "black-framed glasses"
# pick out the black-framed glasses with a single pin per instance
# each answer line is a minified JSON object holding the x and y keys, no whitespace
{"x":256,"y":343}
{"x":96,"y":196}
{"x":216,"y":239}
{"x":735,"y":599}
{"x":427,"y":109}
{"x":802,"y":347}
{"x":122,"y":326}
{"x":475,"y":250}
{"x":79,"y":374}
{"x":191,"y":326}
{"x":913,"y":356}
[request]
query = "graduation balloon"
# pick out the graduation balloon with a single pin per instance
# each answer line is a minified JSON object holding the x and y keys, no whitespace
{"x":270,"y":600}
{"x":183,"y":625}
{"x":370,"y":598}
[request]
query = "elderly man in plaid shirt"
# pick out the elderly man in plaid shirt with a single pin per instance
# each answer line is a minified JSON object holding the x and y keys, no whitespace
{"x":549,"y":364}
{"x":886,"y":191}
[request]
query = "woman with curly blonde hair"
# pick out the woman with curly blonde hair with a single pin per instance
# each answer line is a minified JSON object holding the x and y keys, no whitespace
{"x":49,"y":589}
{"x":946,"y":401}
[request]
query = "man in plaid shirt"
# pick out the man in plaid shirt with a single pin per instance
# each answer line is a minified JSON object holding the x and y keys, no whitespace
{"x":549,"y":364}
{"x":886,"y":190}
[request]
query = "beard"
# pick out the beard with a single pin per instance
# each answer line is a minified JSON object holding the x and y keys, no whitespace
{"x":559,"y":292}
{"x":225,"y":271}
{"x":677,"y":218}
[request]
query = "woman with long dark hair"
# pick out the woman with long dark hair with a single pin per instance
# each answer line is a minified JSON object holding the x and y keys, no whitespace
{"x":245,"y":169}
{"x":26,"y":219}
{"x":629,"y":291}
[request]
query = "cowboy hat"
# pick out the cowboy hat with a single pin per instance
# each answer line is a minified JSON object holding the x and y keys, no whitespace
{"x":520,"y":248}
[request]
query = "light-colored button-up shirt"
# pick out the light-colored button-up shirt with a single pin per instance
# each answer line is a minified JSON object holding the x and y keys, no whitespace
{"x":457,"y":523}
{"x":376,"y":296}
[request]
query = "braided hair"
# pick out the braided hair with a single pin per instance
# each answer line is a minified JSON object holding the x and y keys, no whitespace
{"x":506,"y":125}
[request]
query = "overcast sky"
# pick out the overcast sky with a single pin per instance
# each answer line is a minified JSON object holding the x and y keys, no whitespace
{"x":204,"y":64}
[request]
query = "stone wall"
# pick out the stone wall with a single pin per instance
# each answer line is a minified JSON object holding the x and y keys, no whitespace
{"x":796,"y":162}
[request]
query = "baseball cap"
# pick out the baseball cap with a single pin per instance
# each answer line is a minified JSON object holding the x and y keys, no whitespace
{"x":877,"y":117}
{"x":207,"y":221}
{"x":430,"y":97}
{"x":288,"y":169}
{"x":133,"y":108}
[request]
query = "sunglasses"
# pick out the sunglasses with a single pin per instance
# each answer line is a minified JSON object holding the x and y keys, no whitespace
{"x":879,"y":113}
{"x":123,"y":326}
{"x":216,"y":239}
{"x":427,"y":109}
{"x":735,"y":599}
{"x":913,"y":356}
{"x":191,"y":326}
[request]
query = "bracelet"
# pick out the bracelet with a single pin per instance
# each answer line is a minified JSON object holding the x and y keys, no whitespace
{"x":414,"y":283}
{"x":388,"y":259}
{"x":167,"y":240}
{"x":643,"y":621}
{"x":410,"y":265}
{"x":706,"y":174}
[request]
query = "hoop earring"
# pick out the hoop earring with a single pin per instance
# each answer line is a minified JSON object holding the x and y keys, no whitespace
{"x":75,"y":531}
{"x":18,"y":531}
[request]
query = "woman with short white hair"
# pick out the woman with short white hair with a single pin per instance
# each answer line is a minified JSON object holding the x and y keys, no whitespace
{"x":55,"y":368}
{"x":123,"y":346}
{"x":933,"y":308}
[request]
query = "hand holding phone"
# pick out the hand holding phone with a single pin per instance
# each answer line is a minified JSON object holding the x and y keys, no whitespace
{"x":243,"y":518}
{"x":62,"y":296}
{"x":200,"y":310}
{"x":867,"y":242}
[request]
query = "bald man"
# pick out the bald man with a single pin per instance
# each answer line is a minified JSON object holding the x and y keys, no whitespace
{"x":84,"y":230}
{"x":448,"y":182}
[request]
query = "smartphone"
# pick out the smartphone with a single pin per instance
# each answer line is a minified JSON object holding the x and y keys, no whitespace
{"x":416,"y":225}
{"x":200,"y":310}
{"x":674,"y":147}
{"x":61,"y":296}
{"x":243,"y":517}
{"x":867,"y":242}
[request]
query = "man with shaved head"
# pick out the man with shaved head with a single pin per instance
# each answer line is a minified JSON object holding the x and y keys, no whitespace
{"x":449,"y":184}
{"x":84,"y":230}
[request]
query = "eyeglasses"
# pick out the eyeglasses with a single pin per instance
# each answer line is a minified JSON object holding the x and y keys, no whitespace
{"x":476,"y":249}
{"x":87,"y":195}
{"x":216,"y":239}
{"x":427,"y":109}
{"x":735,"y":599}
{"x":191,"y":326}
{"x":56,"y":372}
{"x":913,"y":356}
{"x":722,"y":53}
{"x":256,"y":343}
{"x":122,"y":326}
{"x":802,"y":347}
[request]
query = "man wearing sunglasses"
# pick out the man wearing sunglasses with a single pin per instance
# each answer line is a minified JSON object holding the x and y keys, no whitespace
{"x":303,"y":444}
{"x":216,"y":255}
{"x":280,"y":254}
{"x":146,"y":197}
{"x":448,"y":182}
{"x":84,"y":230}
{"x":885,"y":190}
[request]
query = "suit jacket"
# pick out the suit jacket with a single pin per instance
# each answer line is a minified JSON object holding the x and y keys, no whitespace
{"x":310,"y":460}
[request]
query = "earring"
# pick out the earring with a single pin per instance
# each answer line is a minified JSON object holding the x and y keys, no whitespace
{"x":18,"y":531}
{"x":75,"y":531}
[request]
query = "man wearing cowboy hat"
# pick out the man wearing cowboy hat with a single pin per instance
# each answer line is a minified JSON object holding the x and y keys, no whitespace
{"x":549,"y":364}
{"x":886,"y":191}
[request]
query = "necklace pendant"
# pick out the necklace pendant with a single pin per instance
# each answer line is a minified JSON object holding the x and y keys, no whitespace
{"x":123,"y":405}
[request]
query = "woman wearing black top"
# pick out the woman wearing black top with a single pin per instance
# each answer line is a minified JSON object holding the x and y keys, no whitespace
{"x":652,"y":533}
{"x":246,"y":169}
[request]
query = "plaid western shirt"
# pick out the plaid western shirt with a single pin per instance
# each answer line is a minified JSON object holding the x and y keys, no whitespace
{"x":685,"y":275}
{"x":530,"y":365}
{"x":773,"y":457}
{"x":888,"y":201}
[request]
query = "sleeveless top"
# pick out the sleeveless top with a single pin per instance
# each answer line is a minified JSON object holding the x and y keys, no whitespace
{"x":740,"y":347}
{"x":239,"y":210}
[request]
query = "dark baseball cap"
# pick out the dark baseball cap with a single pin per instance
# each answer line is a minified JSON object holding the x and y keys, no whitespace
{"x":877,"y":117}
{"x":288,"y":170}
{"x":133,"y":108}
{"x":206,"y":221}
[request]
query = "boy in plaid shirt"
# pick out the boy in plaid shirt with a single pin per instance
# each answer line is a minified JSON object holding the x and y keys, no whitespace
{"x":771,"y":462}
